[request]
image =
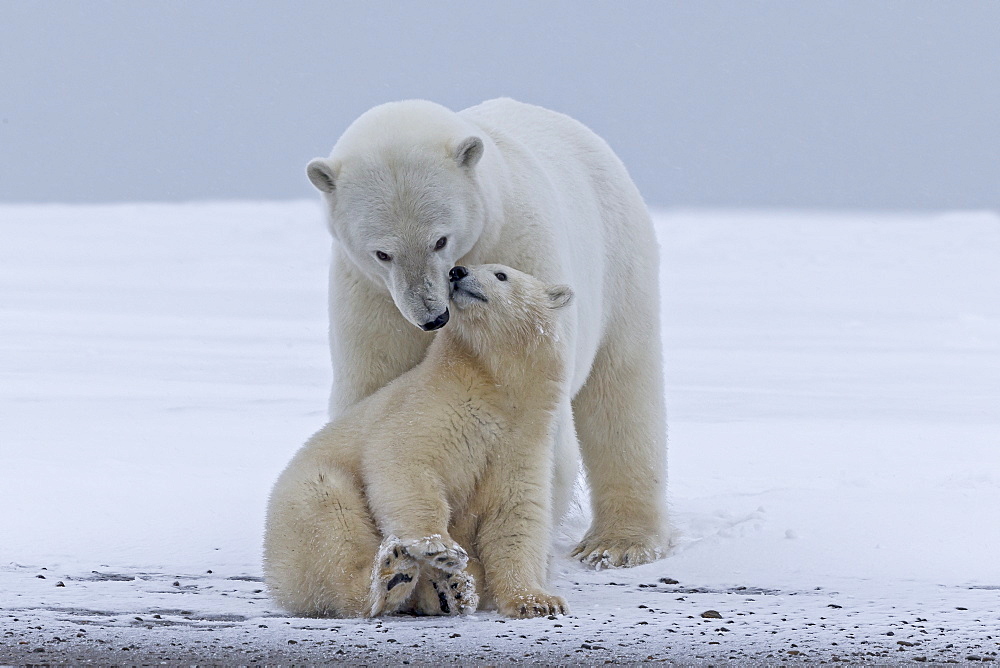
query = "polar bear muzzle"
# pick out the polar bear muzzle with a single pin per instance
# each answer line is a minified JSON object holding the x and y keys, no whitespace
{"x":463,"y":283}
{"x":436,"y":323}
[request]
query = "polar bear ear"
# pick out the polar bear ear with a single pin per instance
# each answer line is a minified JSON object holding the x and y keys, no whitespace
{"x":559,"y":295}
{"x":323,"y":175}
{"x":468,"y":152}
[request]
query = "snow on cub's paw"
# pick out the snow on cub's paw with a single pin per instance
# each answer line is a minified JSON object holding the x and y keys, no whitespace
{"x":437,"y":551}
{"x":616,"y":552}
{"x":394,"y":575}
{"x":532,"y":604}
{"x":443,"y":593}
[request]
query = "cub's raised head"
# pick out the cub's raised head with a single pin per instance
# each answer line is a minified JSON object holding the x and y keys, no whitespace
{"x":504,"y":306}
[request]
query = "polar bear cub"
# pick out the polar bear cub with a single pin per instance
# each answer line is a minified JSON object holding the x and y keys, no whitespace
{"x":433,"y":495}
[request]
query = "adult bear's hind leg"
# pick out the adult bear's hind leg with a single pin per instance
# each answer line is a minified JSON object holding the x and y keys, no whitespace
{"x":620,"y":421}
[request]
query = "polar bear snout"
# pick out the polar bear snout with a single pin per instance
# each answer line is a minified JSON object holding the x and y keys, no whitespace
{"x":436,"y":323}
{"x":420,"y":299}
{"x":465,"y":289}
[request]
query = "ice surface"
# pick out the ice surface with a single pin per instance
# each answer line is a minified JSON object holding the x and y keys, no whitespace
{"x":833,"y":383}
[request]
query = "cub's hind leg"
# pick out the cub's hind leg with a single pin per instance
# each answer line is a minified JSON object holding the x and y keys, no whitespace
{"x":443,"y":592}
{"x":320,"y":543}
{"x":394,"y":575}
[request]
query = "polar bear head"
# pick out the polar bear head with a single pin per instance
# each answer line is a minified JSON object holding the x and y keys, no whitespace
{"x":499,"y":307}
{"x":404,"y":202}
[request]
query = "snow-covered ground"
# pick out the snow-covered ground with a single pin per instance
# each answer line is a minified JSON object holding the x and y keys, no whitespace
{"x":833,"y":383}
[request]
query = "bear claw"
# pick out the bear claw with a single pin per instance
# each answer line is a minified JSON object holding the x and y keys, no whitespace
{"x":616,"y":553}
{"x":534,"y":604}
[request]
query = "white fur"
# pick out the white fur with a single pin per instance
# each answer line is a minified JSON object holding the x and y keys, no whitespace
{"x":545,"y":195}
{"x":435,"y":492}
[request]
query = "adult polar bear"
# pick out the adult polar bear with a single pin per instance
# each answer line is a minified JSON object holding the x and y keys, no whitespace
{"x":413,"y":188}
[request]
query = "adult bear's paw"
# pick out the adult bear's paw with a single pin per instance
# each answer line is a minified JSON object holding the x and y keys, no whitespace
{"x":532,"y":604}
{"x":604,"y":551}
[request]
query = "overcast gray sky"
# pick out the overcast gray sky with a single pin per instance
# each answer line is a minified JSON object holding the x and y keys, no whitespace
{"x":854,"y":103}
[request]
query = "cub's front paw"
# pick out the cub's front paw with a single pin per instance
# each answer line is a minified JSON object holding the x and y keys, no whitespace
{"x":438,"y":551}
{"x":532,"y":604}
{"x":602,"y":551}
{"x":394,"y":575}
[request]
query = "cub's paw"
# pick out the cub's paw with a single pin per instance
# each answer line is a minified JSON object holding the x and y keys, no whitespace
{"x":532,"y":604}
{"x":394,"y":575}
{"x":443,"y":593}
{"x":437,"y":551}
{"x":616,"y":551}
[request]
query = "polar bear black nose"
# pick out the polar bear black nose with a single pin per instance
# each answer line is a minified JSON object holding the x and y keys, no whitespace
{"x":436,"y":323}
{"x":458,"y":273}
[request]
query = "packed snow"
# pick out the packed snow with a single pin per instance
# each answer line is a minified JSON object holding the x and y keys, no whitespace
{"x":833,"y":387}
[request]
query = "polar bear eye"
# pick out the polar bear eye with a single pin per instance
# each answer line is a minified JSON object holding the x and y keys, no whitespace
{"x":384,"y":257}
{"x":441,"y":243}
{"x":501,"y":276}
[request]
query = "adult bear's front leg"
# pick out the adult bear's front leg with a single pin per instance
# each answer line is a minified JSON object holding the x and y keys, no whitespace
{"x":621,"y":425}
